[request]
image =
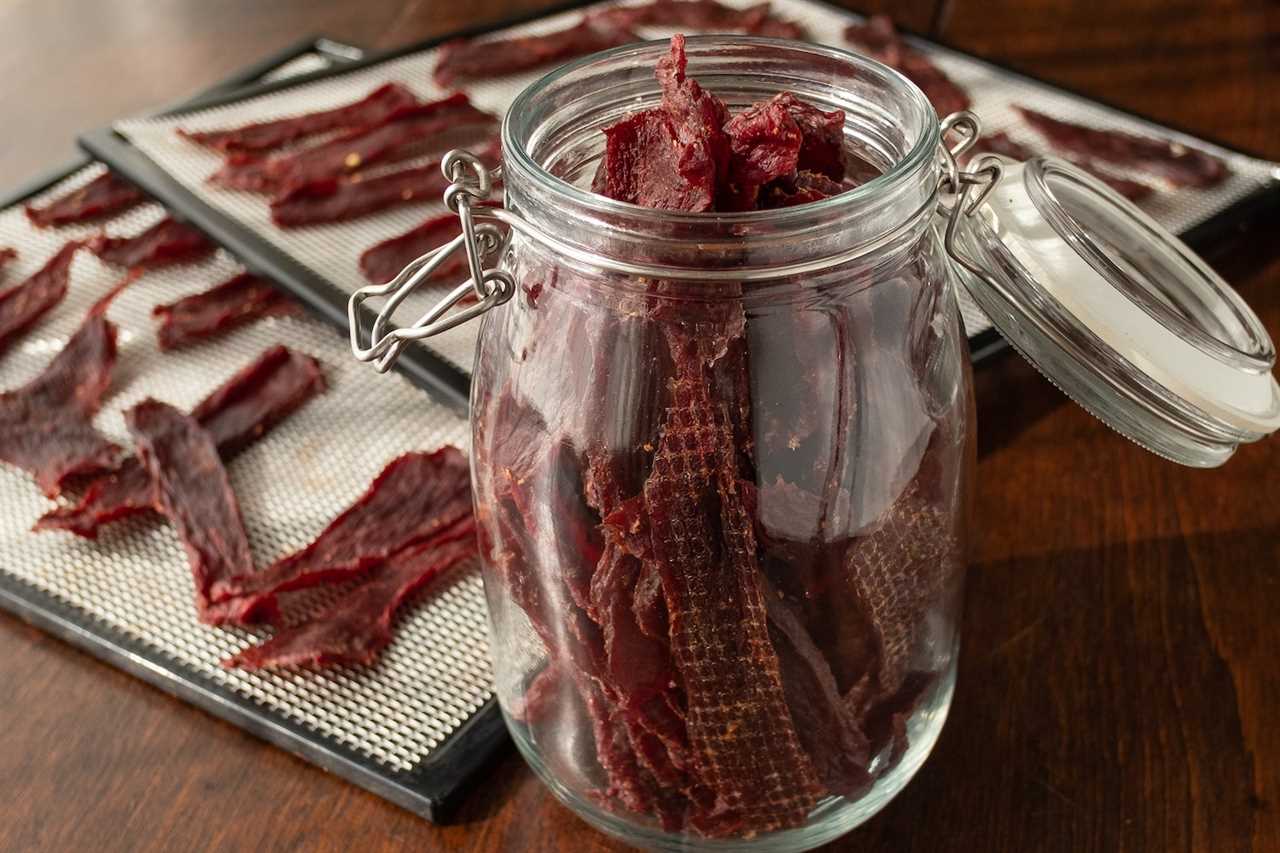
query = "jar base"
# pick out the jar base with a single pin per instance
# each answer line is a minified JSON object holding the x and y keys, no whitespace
{"x":832,"y":818}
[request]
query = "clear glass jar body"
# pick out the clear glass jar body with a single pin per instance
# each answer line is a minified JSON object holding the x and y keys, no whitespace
{"x":723,"y":505}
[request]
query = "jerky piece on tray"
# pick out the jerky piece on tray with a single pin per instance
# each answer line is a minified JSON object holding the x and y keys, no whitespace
{"x":880,"y":40}
{"x":384,"y":261}
{"x":709,"y":15}
{"x":261,"y":136}
{"x":1004,"y":145}
{"x":106,"y":195}
{"x":401,"y":135}
{"x":167,"y":242}
{"x":359,"y":625}
{"x":1181,"y":165}
{"x":242,"y":410}
{"x":46,"y":426}
{"x":23,"y":304}
{"x":413,"y":499}
{"x":229,"y":305}
{"x":190,"y":486}
{"x":337,"y":199}
{"x":469,"y":59}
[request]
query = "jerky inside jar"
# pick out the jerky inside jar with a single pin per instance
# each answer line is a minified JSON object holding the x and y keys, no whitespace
{"x":721,"y":504}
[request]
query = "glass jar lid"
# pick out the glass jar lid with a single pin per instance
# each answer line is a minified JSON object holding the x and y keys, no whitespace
{"x":1115,"y":310}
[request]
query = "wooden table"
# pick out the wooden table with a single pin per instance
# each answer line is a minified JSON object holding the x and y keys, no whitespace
{"x":1120,"y":683}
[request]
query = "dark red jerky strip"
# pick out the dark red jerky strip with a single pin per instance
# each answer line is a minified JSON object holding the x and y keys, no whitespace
{"x":243,"y":409}
{"x":765,"y":144}
{"x":262,"y":136}
{"x":415,"y":497}
{"x":356,"y":629}
{"x":803,"y":188}
{"x":190,"y":487}
{"x":46,"y":426}
{"x":106,"y":195}
{"x":402,"y":134}
{"x":384,"y":261}
{"x":706,"y":15}
{"x":879,"y":39}
{"x":25,"y":303}
{"x":341,"y":199}
{"x":7,"y":255}
{"x":168,"y":241}
{"x":1003,"y":144}
{"x":1180,"y":165}
{"x":469,"y":60}
{"x":229,"y":305}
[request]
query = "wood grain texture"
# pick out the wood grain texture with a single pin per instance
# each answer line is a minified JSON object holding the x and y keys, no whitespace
{"x":1119,"y":686}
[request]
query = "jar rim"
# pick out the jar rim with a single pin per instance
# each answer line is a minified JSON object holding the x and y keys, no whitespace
{"x":517,"y":157}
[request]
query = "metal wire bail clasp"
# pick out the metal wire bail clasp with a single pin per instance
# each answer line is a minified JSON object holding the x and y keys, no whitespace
{"x":984,"y":173}
{"x":470,"y":182}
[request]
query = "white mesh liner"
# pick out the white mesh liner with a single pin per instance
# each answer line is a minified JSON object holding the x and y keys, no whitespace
{"x":135,"y":579}
{"x":333,"y":250}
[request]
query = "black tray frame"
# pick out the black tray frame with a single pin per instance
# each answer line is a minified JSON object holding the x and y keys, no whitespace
{"x":433,"y":789}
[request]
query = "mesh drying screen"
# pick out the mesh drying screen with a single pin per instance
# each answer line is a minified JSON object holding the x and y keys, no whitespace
{"x":332,"y":250}
{"x":135,"y":580}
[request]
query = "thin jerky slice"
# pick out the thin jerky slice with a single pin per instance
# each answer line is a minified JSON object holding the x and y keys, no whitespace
{"x":46,"y":426}
{"x":359,"y":626}
{"x":229,"y":305}
{"x":261,"y":136}
{"x":765,"y":144}
{"x":401,"y":135}
{"x":470,"y":60}
{"x":383,"y":261}
{"x":879,"y":39}
{"x":415,"y":497}
{"x":106,"y":195}
{"x":1181,"y":165}
{"x":242,"y":410}
{"x":803,"y":188}
{"x":1001,"y":143}
{"x":337,"y":199}
{"x":168,"y":241}
{"x":709,"y":15}
{"x":23,"y":304}
{"x":190,"y":486}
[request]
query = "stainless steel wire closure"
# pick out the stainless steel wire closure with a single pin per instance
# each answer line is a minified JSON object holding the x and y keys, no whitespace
{"x":959,"y":184}
{"x":470,"y":182}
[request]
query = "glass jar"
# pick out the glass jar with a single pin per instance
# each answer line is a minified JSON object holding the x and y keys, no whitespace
{"x":722,"y":508}
{"x":722,"y":463}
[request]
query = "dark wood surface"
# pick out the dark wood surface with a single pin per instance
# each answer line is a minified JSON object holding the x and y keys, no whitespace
{"x":1120,"y":682}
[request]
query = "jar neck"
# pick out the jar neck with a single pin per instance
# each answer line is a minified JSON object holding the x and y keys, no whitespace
{"x":552,"y":145}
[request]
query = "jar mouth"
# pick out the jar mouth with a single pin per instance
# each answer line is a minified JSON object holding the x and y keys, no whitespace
{"x":518,"y":159}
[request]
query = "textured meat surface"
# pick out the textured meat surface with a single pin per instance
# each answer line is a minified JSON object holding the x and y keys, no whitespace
{"x":415,"y":497}
{"x":764,"y":141}
{"x":880,"y":40}
{"x":190,"y":487}
{"x":106,"y":195}
{"x":261,"y":136}
{"x":235,"y":302}
{"x":468,"y":60}
{"x":25,"y":303}
{"x":360,"y":625}
{"x":1004,"y":145}
{"x":46,"y":426}
{"x":166,"y":242}
{"x":383,"y":261}
{"x":238,"y":413}
{"x":757,"y":20}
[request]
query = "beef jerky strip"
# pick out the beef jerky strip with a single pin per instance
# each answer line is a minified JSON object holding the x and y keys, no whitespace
{"x":880,"y":40}
{"x":773,"y":141}
{"x":229,"y":305}
{"x":400,"y":135}
{"x":23,"y":304}
{"x":337,"y":199}
{"x":262,"y":136}
{"x":384,"y":261}
{"x":46,"y":426}
{"x":168,"y":241}
{"x":6,"y":256}
{"x":242,"y":410}
{"x":469,"y":59}
{"x":415,"y":497}
{"x":359,"y":626}
{"x":1004,"y":145}
{"x":709,"y":15}
{"x":106,"y":195}
{"x":1180,"y":165}
{"x":190,"y":486}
